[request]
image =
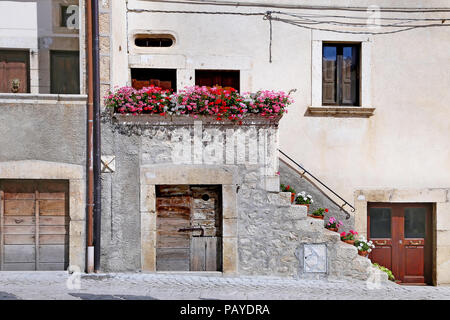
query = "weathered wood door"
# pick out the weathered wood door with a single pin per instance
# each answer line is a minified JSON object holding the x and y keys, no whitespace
{"x":33,"y":228}
{"x":14,"y":71}
{"x":188,"y":228}
{"x":64,"y":72}
{"x":402,"y":236}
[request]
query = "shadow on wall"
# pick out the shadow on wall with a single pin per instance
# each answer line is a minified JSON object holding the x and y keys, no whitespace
{"x":292,"y":177}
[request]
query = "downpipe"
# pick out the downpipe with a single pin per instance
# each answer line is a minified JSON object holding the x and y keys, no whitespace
{"x":92,"y":130}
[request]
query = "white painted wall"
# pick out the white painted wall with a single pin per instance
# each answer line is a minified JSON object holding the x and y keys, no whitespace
{"x":18,"y":25}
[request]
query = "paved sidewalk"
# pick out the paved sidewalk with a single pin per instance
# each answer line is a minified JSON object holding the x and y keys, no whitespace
{"x":137,"y":286}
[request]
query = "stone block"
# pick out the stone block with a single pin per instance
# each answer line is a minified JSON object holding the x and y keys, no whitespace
{"x":77,"y":203}
{"x":443,"y":216}
{"x":148,"y":253}
{"x":148,"y":222}
{"x":230,"y":227}
{"x":443,"y":238}
{"x":77,"y":244}
{"x":230,"y":256}
{"x":346,"y":251}
{"x":296,"y":212}
{"x":272,"y":183}
{"x":148,"y":198}
{"x":229,"y":207}
{"x":284,"y":198}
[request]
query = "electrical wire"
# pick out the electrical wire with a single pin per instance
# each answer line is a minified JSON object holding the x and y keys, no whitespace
{"x":304,"y":7}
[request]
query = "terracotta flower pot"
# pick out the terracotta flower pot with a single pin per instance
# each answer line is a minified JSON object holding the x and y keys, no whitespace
{"x":363,"y":253}
{"x":352,"y":242}
{"x":315,"y":217}
{"x":333,"y":229}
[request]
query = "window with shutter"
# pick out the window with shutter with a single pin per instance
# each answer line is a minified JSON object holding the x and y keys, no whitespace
{"x":340,"y":74}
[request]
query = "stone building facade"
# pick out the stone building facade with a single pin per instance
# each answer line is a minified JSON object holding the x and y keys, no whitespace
{"x":352,"y":148}
{"x":43,"y":136}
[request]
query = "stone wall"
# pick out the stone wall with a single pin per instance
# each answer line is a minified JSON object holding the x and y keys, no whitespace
{"x":134,"y":142}
{"x":43,"y":127}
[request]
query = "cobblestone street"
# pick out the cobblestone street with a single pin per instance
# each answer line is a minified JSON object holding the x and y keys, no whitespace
{"x":53,"y":286}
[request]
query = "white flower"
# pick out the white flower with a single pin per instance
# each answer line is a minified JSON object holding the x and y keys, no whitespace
{"x":369,"y":250}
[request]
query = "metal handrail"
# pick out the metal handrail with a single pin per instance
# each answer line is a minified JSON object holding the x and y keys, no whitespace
{"x":323,"y":184}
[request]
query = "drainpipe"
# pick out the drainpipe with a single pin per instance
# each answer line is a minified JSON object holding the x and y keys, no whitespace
{"x":97,"y":139}
{"x":92,"y":64}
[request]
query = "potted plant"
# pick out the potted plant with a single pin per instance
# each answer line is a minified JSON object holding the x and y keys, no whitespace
{"x":304,"y":199}
{"x":333,"y":224}
{"x":389,"y":272}
{"x":364,"y":247}
{"x":349,"y":237}
{"x":288,"y":188}
{"x":318,"y":214}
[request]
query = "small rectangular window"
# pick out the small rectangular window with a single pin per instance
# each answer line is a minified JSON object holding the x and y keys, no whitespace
{"x":341,"y":74}
{"x":64,"y":72}
{"x":163,"y":78}
{"x":220,"y":78}
{"x":380,"y":222}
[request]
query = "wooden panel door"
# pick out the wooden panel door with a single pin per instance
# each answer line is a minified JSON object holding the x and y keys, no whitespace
{"x":188,"y":228}
{"x":33,"y":231}
{"x":172,"y":246}
{"x":402,"y":236}
{"x":64,"y":72}
{"x":14,"y":71}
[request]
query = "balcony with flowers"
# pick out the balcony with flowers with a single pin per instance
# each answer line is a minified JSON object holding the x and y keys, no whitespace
{"x":208,"y":104}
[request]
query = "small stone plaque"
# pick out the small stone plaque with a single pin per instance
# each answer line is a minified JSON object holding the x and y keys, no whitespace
{"x":315,"y":258}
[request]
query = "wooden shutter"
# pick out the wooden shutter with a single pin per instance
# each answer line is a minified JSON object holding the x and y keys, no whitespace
{"x":329,"y":82}
{"x":14,"y":69}
{"x":220,"y":78}
{"x":349,"y":80}
{"x":65,"y":72}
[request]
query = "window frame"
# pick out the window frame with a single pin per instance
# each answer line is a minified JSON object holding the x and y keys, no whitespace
{"x":339,"y":71}
{"x":316,"y":107}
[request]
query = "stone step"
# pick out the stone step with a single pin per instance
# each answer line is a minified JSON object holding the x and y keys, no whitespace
{"x":296,"y":212}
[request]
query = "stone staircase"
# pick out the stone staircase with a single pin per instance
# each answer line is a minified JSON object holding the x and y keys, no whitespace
{"x":324,"y":249}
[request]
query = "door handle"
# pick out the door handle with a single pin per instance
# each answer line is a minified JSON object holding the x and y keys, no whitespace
{"x":400,"y":241}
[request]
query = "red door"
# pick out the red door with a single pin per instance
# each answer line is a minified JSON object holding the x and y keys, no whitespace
{"x":401,"y":233}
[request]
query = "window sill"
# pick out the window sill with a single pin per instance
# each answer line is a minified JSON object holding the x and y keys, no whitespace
{"x":340,"y":111}
{"x":34,"y":98}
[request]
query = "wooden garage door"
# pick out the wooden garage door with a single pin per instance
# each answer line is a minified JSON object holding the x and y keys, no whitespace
{"x":33,"y":231}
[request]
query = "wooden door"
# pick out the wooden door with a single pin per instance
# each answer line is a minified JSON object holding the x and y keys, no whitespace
{"x":33,"y":228}
{"x":402,"y":236}
{"x":14,"y":71}
{"x":188,"y":228}
{"x":64,"y":72}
